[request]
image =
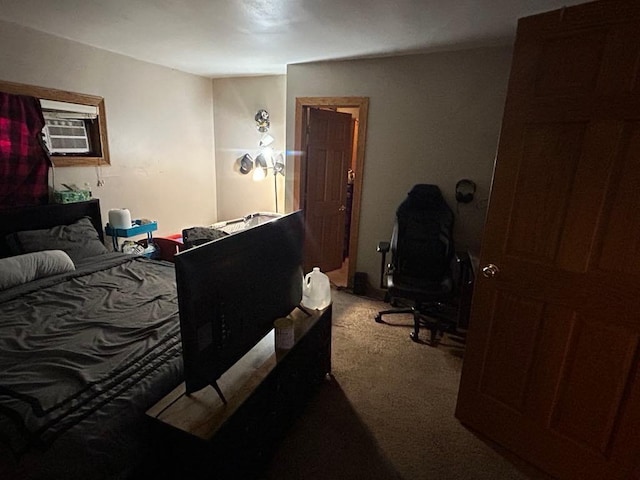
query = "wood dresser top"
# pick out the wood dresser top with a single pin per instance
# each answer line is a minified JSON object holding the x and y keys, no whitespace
{"x":202,"y":413}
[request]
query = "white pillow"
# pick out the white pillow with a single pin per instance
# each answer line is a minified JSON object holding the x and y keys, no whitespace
{"x":21,"y":269}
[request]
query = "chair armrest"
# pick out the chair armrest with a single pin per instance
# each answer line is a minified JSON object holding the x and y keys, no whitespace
{"x":464,"y":270}
{"x":383,"y":247}
{"x":462,"y":257}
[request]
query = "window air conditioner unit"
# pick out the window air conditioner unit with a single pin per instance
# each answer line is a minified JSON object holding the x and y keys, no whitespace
{"x":65,"y":129}
{"x":66,"y":135}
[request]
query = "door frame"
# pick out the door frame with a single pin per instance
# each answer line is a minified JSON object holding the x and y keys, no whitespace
{"x":299,"y":166}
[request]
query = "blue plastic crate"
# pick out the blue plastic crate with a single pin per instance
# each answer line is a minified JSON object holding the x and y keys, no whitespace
{"x":136,"y":229}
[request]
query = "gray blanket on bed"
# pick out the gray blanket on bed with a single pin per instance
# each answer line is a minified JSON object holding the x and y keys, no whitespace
{"x":84,"y":344}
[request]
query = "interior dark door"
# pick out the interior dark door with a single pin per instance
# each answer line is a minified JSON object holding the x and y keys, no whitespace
{"x":329,"y":145}
{"x":551,"y":364}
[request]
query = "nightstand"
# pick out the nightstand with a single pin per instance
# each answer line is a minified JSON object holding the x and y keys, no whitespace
{"x":137,"y":228}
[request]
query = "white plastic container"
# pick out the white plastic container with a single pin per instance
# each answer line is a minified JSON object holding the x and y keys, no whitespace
{"x":119,"y":218}
{"x":316,"y":290}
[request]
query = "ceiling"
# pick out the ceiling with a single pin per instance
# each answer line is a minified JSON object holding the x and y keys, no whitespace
{"x":218,"y":38}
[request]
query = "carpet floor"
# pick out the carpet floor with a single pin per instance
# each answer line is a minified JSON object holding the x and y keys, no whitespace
{"x":388,"y":411}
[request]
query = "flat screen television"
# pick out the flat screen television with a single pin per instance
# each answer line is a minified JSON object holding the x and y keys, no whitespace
{"x":231,"y":290}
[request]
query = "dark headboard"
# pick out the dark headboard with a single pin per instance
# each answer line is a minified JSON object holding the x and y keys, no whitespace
{"x":46,"y":216}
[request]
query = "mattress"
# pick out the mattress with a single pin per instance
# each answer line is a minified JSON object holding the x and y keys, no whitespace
{"x":83,"y":354}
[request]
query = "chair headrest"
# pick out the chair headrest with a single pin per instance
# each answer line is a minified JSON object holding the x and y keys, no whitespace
{"x":423,"y":197}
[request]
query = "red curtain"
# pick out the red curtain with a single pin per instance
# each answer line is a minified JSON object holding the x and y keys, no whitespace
{"x":24,"y":163}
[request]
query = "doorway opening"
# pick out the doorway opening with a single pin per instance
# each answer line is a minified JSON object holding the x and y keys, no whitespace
{"x":357,"y":107}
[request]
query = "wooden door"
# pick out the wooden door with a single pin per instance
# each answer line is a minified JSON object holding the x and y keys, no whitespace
{"x":329,"y":145}
{"x":551,"y":365}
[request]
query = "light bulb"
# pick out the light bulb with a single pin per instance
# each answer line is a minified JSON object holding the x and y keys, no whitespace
{"x":259,"y":174}
{"x":266,"y":140}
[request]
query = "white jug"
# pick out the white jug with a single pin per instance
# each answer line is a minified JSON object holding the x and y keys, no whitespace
{"x":316,"y":290}
{"x":119,"y":218}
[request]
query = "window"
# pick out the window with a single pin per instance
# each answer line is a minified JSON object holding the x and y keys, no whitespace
{"x":75,"y":124}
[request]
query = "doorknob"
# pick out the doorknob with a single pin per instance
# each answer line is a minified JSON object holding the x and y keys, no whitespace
{"x":342,"y":208}
{"x":490,"y":270}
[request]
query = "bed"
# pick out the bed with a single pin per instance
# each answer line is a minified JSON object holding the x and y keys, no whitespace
{"x":89,"y":340}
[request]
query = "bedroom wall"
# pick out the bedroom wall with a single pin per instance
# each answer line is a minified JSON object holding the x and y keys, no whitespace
{"x":433,"y":118}
{"x":160,"y":126}
{"x":236,"y":101}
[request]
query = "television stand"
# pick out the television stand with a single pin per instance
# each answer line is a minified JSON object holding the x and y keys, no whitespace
{"x":216,"y":387}
{"x":201,"y":436}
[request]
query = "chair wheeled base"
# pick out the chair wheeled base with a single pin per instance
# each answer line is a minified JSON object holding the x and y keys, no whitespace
{"x":431,"y":317}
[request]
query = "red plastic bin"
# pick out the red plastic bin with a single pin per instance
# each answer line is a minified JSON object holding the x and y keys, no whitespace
{"x":168,"y":246}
